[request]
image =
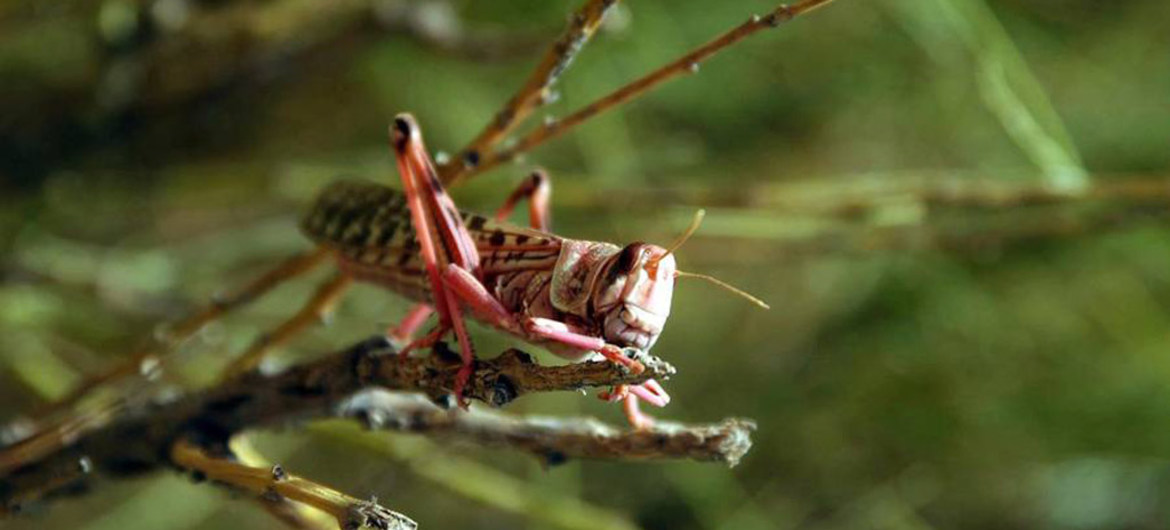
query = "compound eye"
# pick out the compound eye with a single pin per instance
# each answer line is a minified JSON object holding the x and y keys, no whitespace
{"x":627,"y":260}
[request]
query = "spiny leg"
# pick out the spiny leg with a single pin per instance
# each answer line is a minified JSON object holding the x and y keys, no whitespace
{"x":402,"y":334}
{"x":561,"y":332}
{"x":630,"y":395}
{"x":316,"y":310}
{"x":443,"y":239}
{"x":475,"y":296}
{"x":536,"y":188}
{"x":472,"y":292}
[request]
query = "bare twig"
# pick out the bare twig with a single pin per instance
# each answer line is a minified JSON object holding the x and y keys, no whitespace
{"x":291,"y":514}
{"x":184,"y":329}
{"x":61,"y":426}
{"x":316,"y":310}
{"x":140,"y":438}
{"x":274,"y":482}
{"x":536,"y":91}
{"x":554,"y":439}
{"x":688,"y":63}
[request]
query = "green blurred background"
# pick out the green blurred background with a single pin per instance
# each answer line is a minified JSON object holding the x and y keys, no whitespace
{"x":945,"y":350}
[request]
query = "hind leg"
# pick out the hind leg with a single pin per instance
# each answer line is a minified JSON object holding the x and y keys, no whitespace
{"x":536,"y":189}
{"x":443,"y":239}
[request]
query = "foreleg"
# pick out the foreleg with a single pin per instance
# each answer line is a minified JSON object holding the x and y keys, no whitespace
{"x":555,"y":331}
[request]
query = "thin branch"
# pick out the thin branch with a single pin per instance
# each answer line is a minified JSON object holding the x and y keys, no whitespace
{"x":140,"y":437}
{"x":537,"y":89}
{"x":554,"y":440}
{"x":56,"y":424}
{"x":479,"y":482}
{"x":180,"y":331}
{"x":274,"y":482}
{"x":688,"y":63}
{"x":291,"y":514}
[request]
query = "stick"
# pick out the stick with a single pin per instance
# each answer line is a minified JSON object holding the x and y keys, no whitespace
{"x":554,"y":440}
{"x":140,"y":438}
{"x":275,"y":483}
{"x":688,"y":63}
{"x":184,"y":329}
{"x":537,"y":89}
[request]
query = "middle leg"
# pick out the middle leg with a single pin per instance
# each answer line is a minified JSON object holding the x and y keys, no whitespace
{"x":537,"y":188}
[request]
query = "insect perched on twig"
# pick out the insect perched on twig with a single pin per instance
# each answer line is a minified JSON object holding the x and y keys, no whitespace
{"x":570,"y":296}
{"x":576,"y":298}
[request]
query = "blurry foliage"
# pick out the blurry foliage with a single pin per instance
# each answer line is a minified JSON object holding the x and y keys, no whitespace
{"x":154,"y":152}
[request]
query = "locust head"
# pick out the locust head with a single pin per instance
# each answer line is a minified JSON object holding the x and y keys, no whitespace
{"x":626,"y":292}
{"x":635,"y":295}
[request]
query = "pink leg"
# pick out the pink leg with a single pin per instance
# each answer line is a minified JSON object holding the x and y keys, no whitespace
{"x":560,"y":332}
{"x":465,"y":349}
{"x":537,"y":188}
{"x":404,"y":331}
{"x":481,"y":302}
{"x":428,"y":340}
{"x":652,"y":393}
{"x":472,"y":293}
{"x":443,"y":239}
{"x":638,"y":419}
{"x":630,"y":396}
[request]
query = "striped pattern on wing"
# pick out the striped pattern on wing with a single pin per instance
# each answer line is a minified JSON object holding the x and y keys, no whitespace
{"x":369,"y":226}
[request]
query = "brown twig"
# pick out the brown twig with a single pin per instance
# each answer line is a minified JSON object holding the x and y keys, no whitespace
{"x":688,"y":63}
{"x":275,"y":483}
{"x":140,"y":438}
{"x":189,"y":326}
{"x":537,"y":89}
{"x":291,"y":514}
{"x":554,"y":440}
{"x":316,"y":310}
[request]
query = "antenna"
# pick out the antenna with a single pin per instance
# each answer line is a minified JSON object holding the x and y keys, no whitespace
{"x":725,"y":285}
{"x":695,"y":222}
{"x":652,"y":265}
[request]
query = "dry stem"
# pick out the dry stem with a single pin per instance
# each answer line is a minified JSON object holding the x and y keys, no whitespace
{"x":275,"y":483}
{"x":554,"y":440}
{"x":537,"y":90}
{"x":184,"y":329}
{"x":688,"y":63}
{"x":140,"y":437}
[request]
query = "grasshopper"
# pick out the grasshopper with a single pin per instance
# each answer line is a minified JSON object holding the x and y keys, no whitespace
{"x":572,"y":297}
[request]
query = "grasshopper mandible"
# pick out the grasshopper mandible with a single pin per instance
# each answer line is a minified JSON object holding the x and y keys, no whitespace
{"x":572,"y":297}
